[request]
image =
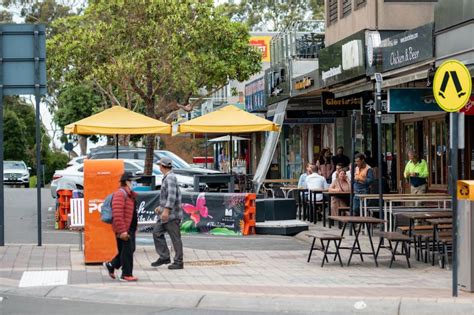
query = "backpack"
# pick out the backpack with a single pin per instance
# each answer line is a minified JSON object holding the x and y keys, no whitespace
{"x":106,"y":210}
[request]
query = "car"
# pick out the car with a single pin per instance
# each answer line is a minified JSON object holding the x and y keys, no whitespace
{"x":16,"y":173}
{"x":73,"y":177}
{"x":76,"y":160}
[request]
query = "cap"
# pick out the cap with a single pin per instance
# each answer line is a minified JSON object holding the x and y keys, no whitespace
{"x":128,"y":176}
{"x":166,"y":162}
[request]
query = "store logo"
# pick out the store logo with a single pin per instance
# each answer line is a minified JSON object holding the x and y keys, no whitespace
{"x":95,"y":205}
{"x":332,"y":72}
{"x":228,"y":212}
{"x":306,"y":82}
{"x":352,"y":54}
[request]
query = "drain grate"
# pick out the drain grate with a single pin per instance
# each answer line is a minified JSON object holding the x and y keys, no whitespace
{"x":212,"y":263}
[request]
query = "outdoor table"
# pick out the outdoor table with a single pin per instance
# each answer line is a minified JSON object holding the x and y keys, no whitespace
{"x":412,"y":216}
{"x":287,"y":189}
{"x":360,"y":221}
{"x":268,"y":184}
{"x":331,"y":194}
{"x":436,"y":223}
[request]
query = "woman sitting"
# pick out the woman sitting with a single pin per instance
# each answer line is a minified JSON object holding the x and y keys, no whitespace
{"x":341,"y":184}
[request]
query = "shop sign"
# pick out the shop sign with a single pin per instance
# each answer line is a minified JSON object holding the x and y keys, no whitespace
{"x":405,"y":49}
{"x":341,"y":103}
{"x":343,"y":60}
{"x":409,"y":100}
{"x":255,"y":99}
{"x":305,"y":83}
{"x":277,"y":83}
{"x":469,"y":108}
{"x":262,"y":43}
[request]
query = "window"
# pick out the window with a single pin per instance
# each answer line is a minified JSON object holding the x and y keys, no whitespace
{"x":360,"y":3}
{"x":438,"y":153}
{"x":132,"y":168}
{"x":346,"y":8}
{"x":332,"y":11}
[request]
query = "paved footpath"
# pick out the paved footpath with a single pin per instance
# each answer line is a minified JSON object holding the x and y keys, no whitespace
{"x":278,"y":280}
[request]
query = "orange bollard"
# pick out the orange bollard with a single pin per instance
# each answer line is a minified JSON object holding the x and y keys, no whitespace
{"x":250,"y":214}
{"x":64,"y":198}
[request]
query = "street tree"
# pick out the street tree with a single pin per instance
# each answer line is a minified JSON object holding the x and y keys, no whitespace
{"x":161,"y":52}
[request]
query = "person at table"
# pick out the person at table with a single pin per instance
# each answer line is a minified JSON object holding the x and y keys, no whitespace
{"x":316,"y":182}
{"x":302,"y":180}
{"x":325,"y":165}
{"x":340,"y":184}
{"x":363,"y":177}
{"x":339,"y":166}
{"x":341,"y":158}
{"x":416,"y":172}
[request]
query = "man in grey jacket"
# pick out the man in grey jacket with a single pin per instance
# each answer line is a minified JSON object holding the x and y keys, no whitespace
{"x":170,"y":215}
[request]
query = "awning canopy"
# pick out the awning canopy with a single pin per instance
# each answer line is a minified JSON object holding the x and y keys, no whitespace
{"x":227,"y":138}
{"x":229,"y":119}
{"x":118,"y":120}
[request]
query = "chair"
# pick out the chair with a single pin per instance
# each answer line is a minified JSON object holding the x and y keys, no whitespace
{"x":397,"y":238}
{"x":325,"y":247}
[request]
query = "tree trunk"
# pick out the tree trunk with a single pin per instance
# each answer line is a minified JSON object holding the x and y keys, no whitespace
{"x":83,"y":145}
{"x":150,"y":111}
{"x":150,"y":147}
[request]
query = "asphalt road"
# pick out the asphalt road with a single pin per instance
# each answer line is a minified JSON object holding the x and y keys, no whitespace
{"x":12,"y":304}
{"x":21,"y":227}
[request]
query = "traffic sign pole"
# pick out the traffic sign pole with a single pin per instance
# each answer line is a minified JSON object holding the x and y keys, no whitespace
{"x":454,"y":202}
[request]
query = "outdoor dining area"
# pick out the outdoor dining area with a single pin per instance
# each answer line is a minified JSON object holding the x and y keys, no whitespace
{"x":414,"y":226}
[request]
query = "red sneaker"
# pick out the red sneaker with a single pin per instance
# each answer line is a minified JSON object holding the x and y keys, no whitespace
{"x":110,"y":269}
{"x":128,"y":278}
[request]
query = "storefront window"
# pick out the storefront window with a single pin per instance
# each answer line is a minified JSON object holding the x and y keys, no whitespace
{"x":293,"y":151}
{"x":437,"y":162}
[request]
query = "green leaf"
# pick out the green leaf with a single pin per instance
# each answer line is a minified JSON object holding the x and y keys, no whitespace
{"x":188,"y":227}
{"x":224,"y":232}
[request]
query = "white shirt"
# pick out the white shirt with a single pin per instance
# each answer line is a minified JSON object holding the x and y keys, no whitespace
{"x":316,"y":181}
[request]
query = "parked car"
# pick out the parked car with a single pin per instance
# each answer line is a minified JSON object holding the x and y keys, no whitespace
{"x":180,"y":166}
{"x":77,"y":160}
{"x":16,"y":173}
{"x":73,"y":177}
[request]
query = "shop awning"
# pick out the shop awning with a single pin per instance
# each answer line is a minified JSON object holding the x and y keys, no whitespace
{"x":229,"y":119}
{"x":117,"y":120}
{"x":227,"y":138}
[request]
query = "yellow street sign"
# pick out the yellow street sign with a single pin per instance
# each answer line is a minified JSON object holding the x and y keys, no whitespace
{"x":452,"y":86}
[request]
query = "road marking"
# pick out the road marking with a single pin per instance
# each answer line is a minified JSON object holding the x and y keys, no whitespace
{"x":43,"y":278}
{"x":360,"y":305}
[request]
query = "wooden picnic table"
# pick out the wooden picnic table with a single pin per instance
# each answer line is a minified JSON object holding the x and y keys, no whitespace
{"x":444,"y":222}
{"x":358,"y":221}
{"x":425,"y":215}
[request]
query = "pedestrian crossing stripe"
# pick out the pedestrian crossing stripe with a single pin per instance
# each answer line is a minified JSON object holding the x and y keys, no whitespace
{"x":452,"y":86}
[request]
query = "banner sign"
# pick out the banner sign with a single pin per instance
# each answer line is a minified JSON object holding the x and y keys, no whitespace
{"x":213,"y":213}
{"x":409,"y":100}
{"x":405,"y":48}
{"x":341,"y":103}
{"x":262,"y":43}
{"x":255,"y":99}
{"x":344,"y":60}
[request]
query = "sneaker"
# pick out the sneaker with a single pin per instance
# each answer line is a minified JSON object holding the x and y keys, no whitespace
{"x":175,"y":266}
{"x":128,"y":278}
{"x":110,"y":269}
{"x":160,"y":262}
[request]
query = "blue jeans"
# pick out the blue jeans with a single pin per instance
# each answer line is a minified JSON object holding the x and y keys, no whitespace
{"x":356,"y":200}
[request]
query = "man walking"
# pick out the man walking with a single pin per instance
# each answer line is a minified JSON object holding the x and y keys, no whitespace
{"x":416,"y":172}
{"x":170,"y":215}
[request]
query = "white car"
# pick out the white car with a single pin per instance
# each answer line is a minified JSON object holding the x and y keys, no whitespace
{"x":73,"y":177}
{"x":76,"y":161}
{"x":16,"y":173}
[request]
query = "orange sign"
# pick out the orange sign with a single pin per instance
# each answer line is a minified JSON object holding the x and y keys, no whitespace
{"x":263,"y":44}
{"x":101,"y":177}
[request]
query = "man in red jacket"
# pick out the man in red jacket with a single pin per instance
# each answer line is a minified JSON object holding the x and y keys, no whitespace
{"x":124,"y":224}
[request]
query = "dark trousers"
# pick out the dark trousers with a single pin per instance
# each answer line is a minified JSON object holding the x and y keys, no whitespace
{"x":172,"y":227}
{"x":124,"y":257}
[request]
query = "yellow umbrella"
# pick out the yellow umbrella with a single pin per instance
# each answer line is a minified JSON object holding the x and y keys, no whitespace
{"x":229,"y":119}
{"x":116,"y":121}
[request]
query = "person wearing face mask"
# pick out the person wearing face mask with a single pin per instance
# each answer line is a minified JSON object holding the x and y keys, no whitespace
{"x":124,"y":224}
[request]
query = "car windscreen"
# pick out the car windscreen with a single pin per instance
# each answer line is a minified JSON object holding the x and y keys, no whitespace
{"x":14,"y":165}
{"x":156,"y":169}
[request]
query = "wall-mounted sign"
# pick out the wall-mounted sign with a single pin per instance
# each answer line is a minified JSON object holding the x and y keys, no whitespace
{"x":409,"y":100}
{"x":277,"y":83}
{"x":255,"y":99}
{"x":405,"y":48}
{"x":262,"y":43}
{"x":303,"y":84}
{"x":343,"y":60}
{"x":342,"y":103}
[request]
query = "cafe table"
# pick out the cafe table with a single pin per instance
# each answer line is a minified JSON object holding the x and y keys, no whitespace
{"x":356,"y":223}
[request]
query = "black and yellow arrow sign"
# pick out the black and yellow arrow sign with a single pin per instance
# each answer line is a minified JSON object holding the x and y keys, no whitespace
{"x":452,"y":86}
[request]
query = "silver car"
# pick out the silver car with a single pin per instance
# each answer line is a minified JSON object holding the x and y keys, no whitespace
{"x":16,"y":173}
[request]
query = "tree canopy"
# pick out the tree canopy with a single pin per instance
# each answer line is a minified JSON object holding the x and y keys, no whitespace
{"x":159,"y":52}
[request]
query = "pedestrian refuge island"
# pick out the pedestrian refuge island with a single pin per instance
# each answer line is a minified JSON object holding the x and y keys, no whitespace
{"x":212,"y":213}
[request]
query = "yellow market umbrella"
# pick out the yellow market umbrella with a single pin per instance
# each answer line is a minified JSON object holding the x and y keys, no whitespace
{"x":116,"y":121}
{"x":229,"y":119}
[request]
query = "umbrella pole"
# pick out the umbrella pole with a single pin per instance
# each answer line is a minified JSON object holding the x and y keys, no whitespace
{"x":230,"y":152}
{"x":116,"y":147}
{"x":205,"y":159}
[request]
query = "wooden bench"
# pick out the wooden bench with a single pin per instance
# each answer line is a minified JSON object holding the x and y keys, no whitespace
{"x":325,"y":247}
{"x":445,"y":242}
{"x":397,"y":238}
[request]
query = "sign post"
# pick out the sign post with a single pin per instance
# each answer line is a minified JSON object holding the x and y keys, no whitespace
{"x":452,"y":88}
{"x":378,"y":109}
{"x":22,"y":72}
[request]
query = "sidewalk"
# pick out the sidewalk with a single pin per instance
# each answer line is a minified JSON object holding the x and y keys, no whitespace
{"x":243,"y":280}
